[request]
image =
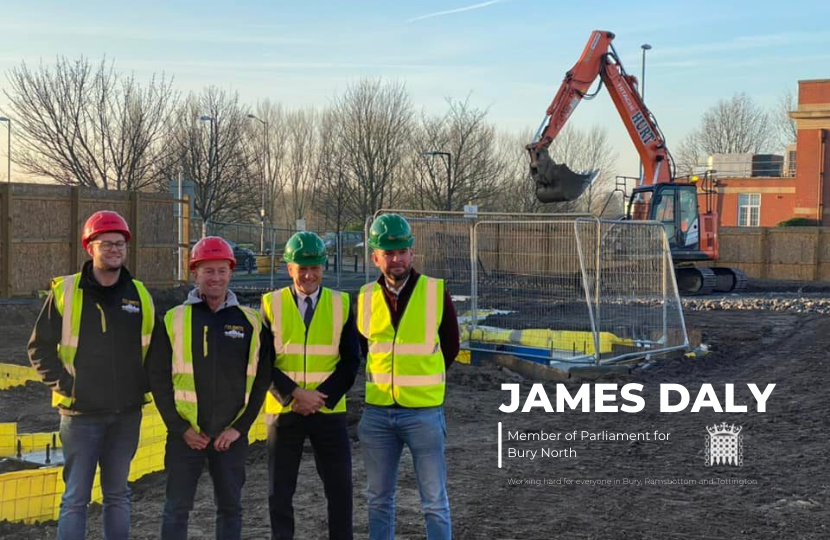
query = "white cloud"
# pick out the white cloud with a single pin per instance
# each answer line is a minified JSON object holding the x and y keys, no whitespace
{"x":457,"y":10}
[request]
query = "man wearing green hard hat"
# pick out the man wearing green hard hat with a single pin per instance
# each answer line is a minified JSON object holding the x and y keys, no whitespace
{"x":409,"y":328}
{"x":316,"y":361}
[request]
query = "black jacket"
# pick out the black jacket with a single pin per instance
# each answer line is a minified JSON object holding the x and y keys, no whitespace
{"x":339,"y":382}
{"x":220,"y":343}
{"x":108,"y":364}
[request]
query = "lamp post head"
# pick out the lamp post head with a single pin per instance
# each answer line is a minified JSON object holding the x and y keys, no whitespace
{"x":257,"y":118}
{"x":645,"y":47}
{"x":206,"y":118}
{"x":4,"y":119}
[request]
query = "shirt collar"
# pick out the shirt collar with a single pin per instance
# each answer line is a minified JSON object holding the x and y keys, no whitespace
{"x":314,"y":296}
{"x":397,"y":289}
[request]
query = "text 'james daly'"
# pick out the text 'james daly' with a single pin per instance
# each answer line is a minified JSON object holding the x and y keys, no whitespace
{"x":673,"y":398}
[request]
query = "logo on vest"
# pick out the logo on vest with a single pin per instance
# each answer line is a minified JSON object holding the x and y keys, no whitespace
{"x":234,"y":331}
{"x":130,"y":306}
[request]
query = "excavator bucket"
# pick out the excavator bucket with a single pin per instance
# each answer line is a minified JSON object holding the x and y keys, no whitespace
{"x":555,"y":182}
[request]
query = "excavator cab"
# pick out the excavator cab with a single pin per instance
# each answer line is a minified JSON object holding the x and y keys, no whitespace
{"x":675,"y":206}
{"x":691,"y":236}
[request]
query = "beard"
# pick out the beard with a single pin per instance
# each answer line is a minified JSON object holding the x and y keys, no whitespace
{"x":106,"y":266}
{"x":392,"y":278}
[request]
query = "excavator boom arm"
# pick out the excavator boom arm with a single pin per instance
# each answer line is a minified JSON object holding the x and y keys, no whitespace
{"x":558,"y":182}
{"x":574,"y":87}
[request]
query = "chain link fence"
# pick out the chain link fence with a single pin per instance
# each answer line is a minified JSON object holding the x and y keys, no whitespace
{"x":258,"y":250}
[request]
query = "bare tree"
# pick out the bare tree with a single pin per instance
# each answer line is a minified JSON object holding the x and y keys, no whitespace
{"x":88,"y":125}
{"x":299,"y":168}
{"x":516,"y":190}
{"x":593,"y":152}
{"x":334,"y":196}
{"x":579,"y":150}
{"x":784,"y":125}
{"x":268,"y":143}
{"x":688,"y":154}
{"x":585,"y":151}
{"x":373,"y":129}
{"x":734,"y":126}
{"x":208,"y":142}
{"x":459,"y":162}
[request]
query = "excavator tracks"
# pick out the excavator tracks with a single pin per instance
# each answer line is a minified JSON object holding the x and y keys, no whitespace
{"x":700,"y":280}
{"x":729,"y":280}
{"x":695,"y":281}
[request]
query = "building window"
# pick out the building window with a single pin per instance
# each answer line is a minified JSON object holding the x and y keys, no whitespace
{"x":791,"y":163}
{"x":749,"y":209}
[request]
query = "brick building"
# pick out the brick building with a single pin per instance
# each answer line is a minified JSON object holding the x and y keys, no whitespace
{"x":804,"y":189}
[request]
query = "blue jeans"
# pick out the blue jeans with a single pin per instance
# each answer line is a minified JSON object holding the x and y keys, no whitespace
{"x":383,"y":433}
{"x":184,"y":467}
{"x":108,"y":440}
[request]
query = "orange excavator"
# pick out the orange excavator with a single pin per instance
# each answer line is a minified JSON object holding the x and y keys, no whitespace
{"x":658,"y":196}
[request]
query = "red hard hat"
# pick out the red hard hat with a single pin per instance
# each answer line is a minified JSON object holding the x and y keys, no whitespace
{"x":211,"y":248}
{"x":104,"y":221}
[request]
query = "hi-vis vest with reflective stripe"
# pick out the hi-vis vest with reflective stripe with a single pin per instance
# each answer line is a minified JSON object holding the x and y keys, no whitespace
{"x":179,"y":324}
{"x":309,"y":356}
{"x":404,"y":367}
{"x":69,"y":300}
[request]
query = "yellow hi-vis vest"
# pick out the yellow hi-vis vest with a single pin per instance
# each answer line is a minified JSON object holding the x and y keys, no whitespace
{"x":179,"y":324}
{"x":69,"y":300}
{"x":404,"y":366}
{"x":307,"y":356}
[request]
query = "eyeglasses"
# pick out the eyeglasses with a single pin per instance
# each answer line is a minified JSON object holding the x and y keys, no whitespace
{"x":106,"y":245}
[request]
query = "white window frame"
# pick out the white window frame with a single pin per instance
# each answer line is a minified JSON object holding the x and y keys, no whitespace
{"x":749,"y":210}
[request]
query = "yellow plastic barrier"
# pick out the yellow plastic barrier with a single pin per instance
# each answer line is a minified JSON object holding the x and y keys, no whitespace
{"x":560,"y":340}
{"x":12,"y":375}
{"x":35,"y":495}
{"x":30,"y":496}
{"x":8,"y":439}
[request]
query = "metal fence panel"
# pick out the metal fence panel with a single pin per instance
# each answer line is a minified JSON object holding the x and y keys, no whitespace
{"x":529,"y":290}
{"x":556,"y":289}
{"x":630,"y":287}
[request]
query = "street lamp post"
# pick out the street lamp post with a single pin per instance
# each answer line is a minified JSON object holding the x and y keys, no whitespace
{"x":645,"y":47}
{"x":448,"y":162}
{"x":210,"y":168}
{"x":267,"y":157}
{"x":8,"y":122}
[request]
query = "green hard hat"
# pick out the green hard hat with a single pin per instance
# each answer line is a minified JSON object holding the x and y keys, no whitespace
{"x":306,"y":249}
{"x":390,"y":232}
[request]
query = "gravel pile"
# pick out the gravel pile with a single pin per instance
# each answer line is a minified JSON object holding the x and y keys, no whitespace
{"x":783,"y":302}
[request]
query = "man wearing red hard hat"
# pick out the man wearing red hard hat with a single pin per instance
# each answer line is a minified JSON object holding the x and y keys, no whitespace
{"x":209,"y":385}
{"x":89,"y":346}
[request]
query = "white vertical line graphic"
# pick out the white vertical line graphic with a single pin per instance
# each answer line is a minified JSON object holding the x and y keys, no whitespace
{"x":499,"y":445}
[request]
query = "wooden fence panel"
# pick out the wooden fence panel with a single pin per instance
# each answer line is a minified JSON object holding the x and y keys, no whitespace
{"x":40,"y":228}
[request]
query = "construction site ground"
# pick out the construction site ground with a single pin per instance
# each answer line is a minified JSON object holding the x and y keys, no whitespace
{"x":785,"y":492}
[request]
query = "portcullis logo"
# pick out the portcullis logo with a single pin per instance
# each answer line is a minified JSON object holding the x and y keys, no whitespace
{"x":724,"y":445}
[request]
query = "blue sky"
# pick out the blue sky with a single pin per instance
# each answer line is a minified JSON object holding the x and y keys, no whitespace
{"x":507,"y":55}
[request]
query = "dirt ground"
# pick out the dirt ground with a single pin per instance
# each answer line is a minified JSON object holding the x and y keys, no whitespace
{"x":785,"y":494}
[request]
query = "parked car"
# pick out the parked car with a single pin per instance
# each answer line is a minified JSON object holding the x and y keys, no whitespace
{"x":352,"y":241}
{"x":245,"y":258}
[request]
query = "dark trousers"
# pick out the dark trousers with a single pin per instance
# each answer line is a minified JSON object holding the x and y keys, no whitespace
{"x":184,"y":467}
{"x":329,"y":438}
